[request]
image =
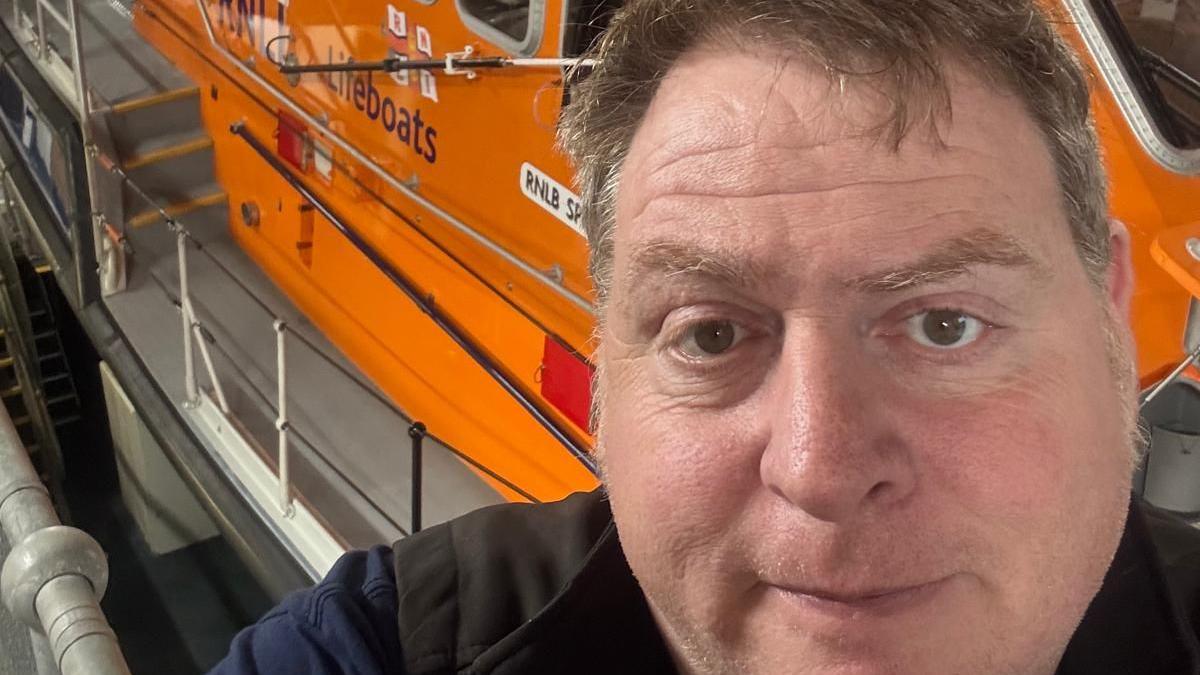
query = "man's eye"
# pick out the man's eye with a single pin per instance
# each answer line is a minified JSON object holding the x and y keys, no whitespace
{"x":944,"y":329}
{"x":710,"y":338}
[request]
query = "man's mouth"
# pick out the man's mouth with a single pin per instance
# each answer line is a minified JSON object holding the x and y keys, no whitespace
{"x":865,"y":602}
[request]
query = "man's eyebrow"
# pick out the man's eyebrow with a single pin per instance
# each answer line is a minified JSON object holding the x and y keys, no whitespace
{"x":667,"y":259}
{"x":951,"y":258}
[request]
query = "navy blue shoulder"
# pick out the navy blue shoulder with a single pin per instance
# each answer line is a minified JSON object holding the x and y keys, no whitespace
{"x":345,"y":624}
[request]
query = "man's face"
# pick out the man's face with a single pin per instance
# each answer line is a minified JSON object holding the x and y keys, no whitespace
{"x":857,"y":409}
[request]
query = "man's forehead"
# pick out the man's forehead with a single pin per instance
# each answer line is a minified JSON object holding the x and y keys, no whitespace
{"x":716,"y":103}
{"x":744,"y":151}
{"x":717,"y":114}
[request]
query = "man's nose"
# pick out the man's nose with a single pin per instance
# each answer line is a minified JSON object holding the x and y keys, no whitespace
{"x":836,"y":449}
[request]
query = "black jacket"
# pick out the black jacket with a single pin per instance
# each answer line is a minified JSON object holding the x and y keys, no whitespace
{"x":546,"y":589}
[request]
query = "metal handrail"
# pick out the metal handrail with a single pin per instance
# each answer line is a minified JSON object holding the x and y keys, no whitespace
{"x":406,"y":285}
{"x":54,"y":576}
{"x":55,"y":14}
{"x":384,"y":175}
{"x":201,"y":336}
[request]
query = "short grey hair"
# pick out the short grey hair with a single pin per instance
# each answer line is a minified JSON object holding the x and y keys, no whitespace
{"x":902,"y":46}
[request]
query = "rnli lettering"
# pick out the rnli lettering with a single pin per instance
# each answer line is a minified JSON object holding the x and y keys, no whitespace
{"x":429,"y":86}
{"x":247,"y":19}
{"x":397,"y":22}
{"x":408,"y":126}
{"x":552,"y":196}
{"x":400,"y":77}
{"x":424,"y":41}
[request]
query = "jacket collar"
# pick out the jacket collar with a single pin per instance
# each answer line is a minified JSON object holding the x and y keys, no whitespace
{"x":1136,"y":623}
{"x":598,"y":623}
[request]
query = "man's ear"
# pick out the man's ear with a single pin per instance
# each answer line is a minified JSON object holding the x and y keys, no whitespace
{"x":1120,"y":268}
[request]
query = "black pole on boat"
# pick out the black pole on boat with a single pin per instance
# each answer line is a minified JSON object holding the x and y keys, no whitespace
{"x":393,"y":65}
{"x":426,"y":304}
{"x":416,"y":432}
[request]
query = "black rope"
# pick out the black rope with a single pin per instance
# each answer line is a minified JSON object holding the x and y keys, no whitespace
{"x":366,"y":387}
{"x":291,"y":428}
{"x":272,"y":41}
{"x":469,"y":460}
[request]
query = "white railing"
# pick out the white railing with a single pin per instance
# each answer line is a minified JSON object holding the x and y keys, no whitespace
{"x":194,"y":336}
{"x":192,"y":330}
{"x":33,"y":27}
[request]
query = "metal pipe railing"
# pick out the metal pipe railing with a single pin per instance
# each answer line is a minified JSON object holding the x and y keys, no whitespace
{"x":387,"y":176}
{"x":1109,"y":44}
{"x":198,"y":330}
{"x":1170,"y":378}
{"x":286,"y":497}
{"x":40,"y":13}
{"x":54,"y":576}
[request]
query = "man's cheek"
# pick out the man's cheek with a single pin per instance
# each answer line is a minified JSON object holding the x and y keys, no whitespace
{"x":680,"y":468}
{"x":678,"y":454}
{"x":1006,"y":452}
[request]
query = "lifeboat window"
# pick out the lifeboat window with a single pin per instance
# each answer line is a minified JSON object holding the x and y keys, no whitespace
{"x":586,"y":22}
{"x":515,"y":25}
{"x":1160,"y":41}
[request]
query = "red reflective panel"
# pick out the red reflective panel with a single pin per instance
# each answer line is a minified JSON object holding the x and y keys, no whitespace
{"x":566,"y":382}
{"x":291,"y":141}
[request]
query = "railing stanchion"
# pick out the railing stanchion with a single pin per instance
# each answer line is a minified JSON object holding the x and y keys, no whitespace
{"x":222,"y":402}
{"x":40,"y":14}
{"x":281,"y":422}
{"x":416,"y":432}
{"x":185,"y":309}
{"x":79,"y":70}
{"x":96,"y":219}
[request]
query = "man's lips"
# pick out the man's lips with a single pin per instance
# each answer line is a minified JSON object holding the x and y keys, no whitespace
{"x":858,"y":602}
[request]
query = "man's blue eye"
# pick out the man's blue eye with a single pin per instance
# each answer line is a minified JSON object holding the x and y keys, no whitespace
{"x":944,"y":329}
